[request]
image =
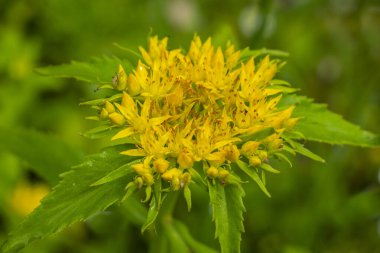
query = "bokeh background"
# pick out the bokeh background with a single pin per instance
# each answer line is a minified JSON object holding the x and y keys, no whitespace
{"x":334,"y":48}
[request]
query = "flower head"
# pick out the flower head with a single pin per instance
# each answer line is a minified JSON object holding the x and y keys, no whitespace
{"x":203,"y":107}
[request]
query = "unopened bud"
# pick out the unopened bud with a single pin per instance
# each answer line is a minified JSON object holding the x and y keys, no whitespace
{"x":170,"y":174}
{"x":263,"y":155}
{"x":212,"y":172}
{"x":232,"y":153}
{"x":117,"y":118}
{"x":185,"y":160}
{"x":109,"y":107}
{"x":249,"y":148}
{"x":275,"y":144}
{"x":160,"y":165}
{"x":133,"y":86}
{"x":185,"y":179}
{"x":121,"y":79}
{"x":254,"y":161}
{"x":223,"y":174}
{"x":148,"y":179}
{"x":176,"y":184}
{"x":103,"y":114}
{"x":140,"y":169}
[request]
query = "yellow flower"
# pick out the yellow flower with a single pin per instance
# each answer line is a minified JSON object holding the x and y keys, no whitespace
{"x":198,"y":107}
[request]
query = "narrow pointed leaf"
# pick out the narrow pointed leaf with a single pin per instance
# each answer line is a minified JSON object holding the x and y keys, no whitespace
{"x":251,"y":172}
{"x":125,"y":169}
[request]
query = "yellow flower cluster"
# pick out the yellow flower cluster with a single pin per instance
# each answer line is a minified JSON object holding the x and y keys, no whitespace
{"x":202,"y":106}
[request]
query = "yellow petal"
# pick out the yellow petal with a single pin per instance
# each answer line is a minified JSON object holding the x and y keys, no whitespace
{"x":123,"y":133}
{"x":134,"y":152}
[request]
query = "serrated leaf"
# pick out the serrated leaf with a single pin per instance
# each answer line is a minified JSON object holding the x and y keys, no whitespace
{"x":98,"y":70}
{"x":227,"y":205}
{"x":317,"y":123}
{"x":73,"y":199}
{"x":122,"y":171}
{"x":47,"y":155}
{"x":251,"y":172}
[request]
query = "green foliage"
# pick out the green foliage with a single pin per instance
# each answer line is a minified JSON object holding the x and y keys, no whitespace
{"x":73,"y":199}
{"x":47,"y":155}
{"x":99,"y":70}
{"x":227,"y":208}
{"x":317,"y":123}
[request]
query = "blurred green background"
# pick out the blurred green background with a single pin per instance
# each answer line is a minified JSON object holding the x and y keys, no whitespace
{"x":334,"y":48}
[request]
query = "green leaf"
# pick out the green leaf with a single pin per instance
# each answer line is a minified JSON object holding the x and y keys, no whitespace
{"x":246,"y":54}
{"x":258,"y":135}
{"x":194,"y":245}
{"x":73,"y":199}
{"x":269,"y":168}
{"x":252,"y":173}
{"x":154,"y":206}
{"x":47,"y":155}
{"x":98,"y":70}
{"x":152,"y":214}
{"x":122,"y":171}
{"x":227,"y":205}
{"x":317,"y":123}
{"x":299,"y":148}
{"x":187,"y":194}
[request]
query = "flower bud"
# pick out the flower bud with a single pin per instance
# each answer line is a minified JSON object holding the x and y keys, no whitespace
{"x":121,"y":79}
{"x":249,"y":148}
{"x":212,"y":172}
{"x":133,"y":86}
{"x":176,"y":184}
{"x":185,"y":160}
{"x":232,"y":153}
{"x":109,"y":107}
{"x":148,"y":179}
{"x":262,"y":154}
{"x":275,"y":144}
{"x":140,"y":169}
{"x":103,"y":113}
{"x":160,"y":165}
{"x":185,"y":179}
{"x":223,"y":174}
{"x":117,"y":118}
{"x":254,"y":161}
{"x":170,"y":174}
